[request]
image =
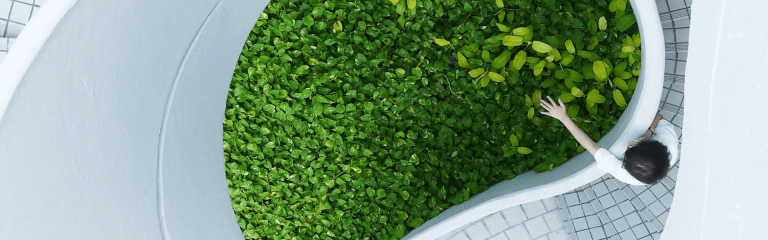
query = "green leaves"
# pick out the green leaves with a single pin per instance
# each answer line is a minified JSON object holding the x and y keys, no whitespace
{"x":569,"y":46}
{"x":626,"y":22}
{"x":442,"y":42}
{"x":337,"y":26}
{"x":519,"y":60}
{"x":462,"y":60}
{"x":576,"y":92}
{"x":524,"y":150}
{"x":501,"y":60}
{"x":619,"y":98}
{"x":593,"y":97}
{"x":521,"y":31}
{"x":502,"y":27}
{"x":476,"y":72}
{"x":541,"y":47}
{"x":599,"y":68}
{"x":499,"y":4}
{"x":602,"y":23}
{"x":495,"y":77}
{"x":512,"y":41}
{"x":567,"y":97}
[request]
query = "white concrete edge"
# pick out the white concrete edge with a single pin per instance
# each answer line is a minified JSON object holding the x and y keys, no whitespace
{"x":26,"y":47}
{"x":652,"y":73}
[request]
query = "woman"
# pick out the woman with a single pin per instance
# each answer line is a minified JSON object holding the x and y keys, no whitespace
{"x":645,"y":162}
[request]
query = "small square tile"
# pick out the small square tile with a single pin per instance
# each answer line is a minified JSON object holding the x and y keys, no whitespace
{"x":20,"y":13}
{"x":593,"y":182}
{"x":580,"y":224}
{"x":647,"y":215}
{"x":611,"y":185}
{"x":593,"y":221}
{"x":627,"y":235}
{"x":654,"y":226}
{"x":553,"y":220}
{"x":583,"y":197}
{"x":663,"y":217}
{"x":499,"y":237}
{"x":460,"y":236}
{"x":600,"y":189}
{"x":681,"y":34}
{"x":638,"y":189}
{"x":534,"y":208}
{"x":621,"y":224}
{"x":495,"y":223}
{"x":569,"y":225}
{"x":597,"y":233}
{"x":596,"y":204}
{"x":662,"y":6}
{"x":590,"y":194}
{"x":657,"y":208}
{"x":633,"y":219}
{"x":603,"y":217}
{"x":656,"y":236}
{"x":517,"y":233}
{"x":584,"y":234}
{"x":576,"y":211}
{"x":588,"y":209}
{"x":613,"y":212}
{"x":659,"y":190}
{"x":610,"y":230}
{"x":647,"y":197}
{"x":628,"y":192}
{"x":637,"y":203}
{"x":676,"y":4}
{"x":514,"y":215}
{"x":537,"y":227}
{"x":561,"y":201}
{"x":640,"y":231}
{"x":666,"y":200}
{"x":13,"y":30}
{"x":607,"y":201}
{"x":543,"y":238}
{"x":647,"y":238}
{"x":564,"y":213}
{"x":572,"y":236}
{"x":477,"y":231}
{"x":572,"y":199}
{"x":619,"y":196}
{"x":558,"y":234}
{"x":549,"y":203}
{"x":626,"y":207}
{"x":5,"y":8}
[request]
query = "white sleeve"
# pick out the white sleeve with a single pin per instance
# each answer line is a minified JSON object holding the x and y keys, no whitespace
{"x":665,"y":134}
{"x":610,"y":164}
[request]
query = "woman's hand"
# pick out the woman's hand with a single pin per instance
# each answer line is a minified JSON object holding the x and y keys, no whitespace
{"x":554,"y":110}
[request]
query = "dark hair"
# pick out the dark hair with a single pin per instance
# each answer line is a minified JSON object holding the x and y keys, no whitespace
{"x":648,"y":161}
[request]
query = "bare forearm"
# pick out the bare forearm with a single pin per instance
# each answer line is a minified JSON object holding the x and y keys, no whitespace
{"x":580,"y":136}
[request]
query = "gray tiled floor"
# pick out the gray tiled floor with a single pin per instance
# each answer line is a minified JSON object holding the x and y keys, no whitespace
{"x":15,"y":14}
{"x":607,"y":208}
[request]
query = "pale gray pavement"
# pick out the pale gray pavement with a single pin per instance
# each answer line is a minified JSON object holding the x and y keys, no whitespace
{"x":606,"y":208}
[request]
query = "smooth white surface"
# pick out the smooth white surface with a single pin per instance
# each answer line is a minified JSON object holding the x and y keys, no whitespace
{"x":721,"y":190}
{"x":646,"y":101}
{"x":111,"y":120}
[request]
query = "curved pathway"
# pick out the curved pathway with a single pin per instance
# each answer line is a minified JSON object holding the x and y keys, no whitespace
{"x":605,"y":208}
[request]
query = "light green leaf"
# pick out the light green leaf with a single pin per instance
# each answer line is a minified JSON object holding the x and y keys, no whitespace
{"x":530,"y":113}
{"x":499,"y":3}
{"x":462,"y":60}
{"x":411,"y":4}
{"x":502,"y":60}
{"x":528,"y":100}
{"x":626,"y":22}
{"x":577,"y":92}
{"x":595,"y":96}
{"x":512,"y":41}
{"x":536,"y":99}
{"x":636,"y":40}
{"x":501,"y":16}
{"x":567,"y":97}
{"x":619,"y":98}
{"x":521,"y":31}
{"x":539,"y":68}
{"x":442,"y":42}
{"x":519,"y":61}
{"x":513,"y":139}
{"x":485,"y":80}
{"x":337,"y":26}
{"x":541,"y":47}
{"x":394,"y":2}
{"x":569,"y":46}
{"x":621,"y":84}
{"x":567,"y":60}
{"x":602,"y":23}
{"x":502,"y":27}
{"x":599,"y":68}
{"x":476,"y":72}
{"x":486,"y":56}
{"x":524,"y":150}
{"x":495,"y":77}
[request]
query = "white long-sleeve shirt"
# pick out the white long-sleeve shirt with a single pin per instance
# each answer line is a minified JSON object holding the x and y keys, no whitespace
{"x":664,"y":133}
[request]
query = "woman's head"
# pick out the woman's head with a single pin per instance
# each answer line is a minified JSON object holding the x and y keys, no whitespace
{"x":648,"y":161}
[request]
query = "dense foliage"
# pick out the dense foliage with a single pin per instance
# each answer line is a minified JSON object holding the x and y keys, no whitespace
{"x":361,"y":120}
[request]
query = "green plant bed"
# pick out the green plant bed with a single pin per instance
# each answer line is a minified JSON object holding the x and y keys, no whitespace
{"x":361,"y":120}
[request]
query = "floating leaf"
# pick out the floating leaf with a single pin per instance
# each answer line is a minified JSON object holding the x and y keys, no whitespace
{"x":625,"y":22}
{"x":476,"y":72}
{"x":599,"y":68}
{"x":602,"y":23}
{"x":569,"y":46}
{"x":512,"y":41}
{"x":521,"y":31}
{"x":462,"y":60}
{"x":541,"y":47}
{"x":501,"y":60}
{"x":441,"y":42}
{"x":577,"y":92}
{"x":619,"y":98}
{"x":519,"y":61}
{"x":524,"y":150}
{"x":495,"y":77}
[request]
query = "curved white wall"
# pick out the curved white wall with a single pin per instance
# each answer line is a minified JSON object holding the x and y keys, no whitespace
{"x":111,"y":120}
{"x":581,"y":169}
